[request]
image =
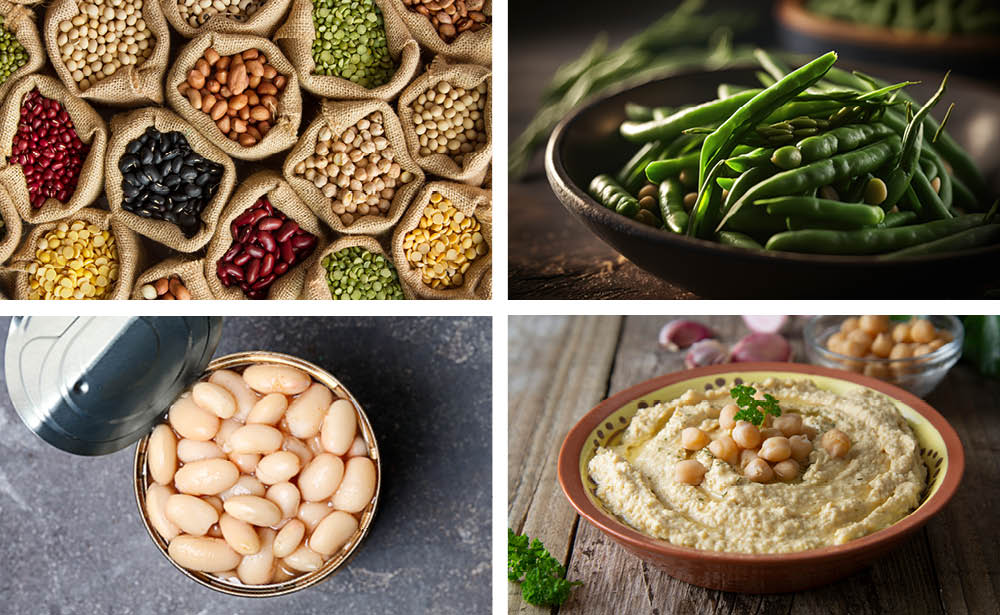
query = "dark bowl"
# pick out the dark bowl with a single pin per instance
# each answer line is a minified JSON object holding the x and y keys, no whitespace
{"x":587,"y":142}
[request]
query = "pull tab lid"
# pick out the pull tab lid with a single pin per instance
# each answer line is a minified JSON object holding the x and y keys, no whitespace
{"x":93,"y":385}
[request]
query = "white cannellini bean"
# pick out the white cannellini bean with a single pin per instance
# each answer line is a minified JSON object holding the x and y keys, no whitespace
{"x":298,"y":447}
{"x":359,"y":448}
{"x":262,"y":439}
{"x":161,"y":454}
{"x":253,"y":509}
{"x":286,"y":496}
{"x":238,"y":388}
{"x":269,"y":410}
{"x":321,"y":477}
{"x":191,"y":421}
{"x":306,"y":412}
{"x":193,"y":450}
{"x":278,"y":467}
{"x":289,"y":538}
{"x":339,"y":427}
{"x":258,"y":569}
{"x":311,"y":513}
{"x":156,"y":509}
{"x":226,"y":429}
{"x":357,"y":487}
{"x":276,"y":379}
{"x":304,"y":559}
{"x":246,"y":485}
{"x":315,"y":445}
{"x":204,"y":554}
{"x":241,"y":536}
{"x":246,"y":462}
{"x":207,"y":477}
{"x":191,"y":514}
{"x":215,"y":501}
{"x":333,"y":532}
{"x":215,"y":399}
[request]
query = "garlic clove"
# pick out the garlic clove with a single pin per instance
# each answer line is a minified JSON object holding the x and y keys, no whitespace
{"x":706,"y":352}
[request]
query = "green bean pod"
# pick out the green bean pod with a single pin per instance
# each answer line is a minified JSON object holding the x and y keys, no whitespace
{"x":739,"y":240}
{"x":930,"y":203}
{"x":612,"y":195}
{"x":963,"y":197}
{"x":632,"y":175}
{"x":972,"y":238}
{"x":671,"y":198}
{"x":898,"y":218}
{"x":841,"y":139}
{"x":851,"y":215}
{"x":755,"y":158}
{"x":638,"y":113}
{"x":750,"y":178}
{"x":659,"y":170}
{"x":870,"y":240}
{"x":669,"y":128}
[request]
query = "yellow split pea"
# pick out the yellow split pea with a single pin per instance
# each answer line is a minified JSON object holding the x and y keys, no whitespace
{"x":74,"y":260}
{"x":444,"y":244}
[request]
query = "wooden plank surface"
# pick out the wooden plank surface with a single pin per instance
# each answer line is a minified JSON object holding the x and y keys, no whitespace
{"x":951,"y":566}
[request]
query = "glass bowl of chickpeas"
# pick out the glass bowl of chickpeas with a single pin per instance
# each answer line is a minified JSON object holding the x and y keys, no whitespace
{"x":912,"y":352}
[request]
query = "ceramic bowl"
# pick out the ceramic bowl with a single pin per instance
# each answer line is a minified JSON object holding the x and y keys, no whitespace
{"x":940,"y":449}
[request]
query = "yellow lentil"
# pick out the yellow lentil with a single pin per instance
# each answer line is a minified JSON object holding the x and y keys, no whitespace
{"x":444,"y":244}
{"x":74,"y":260}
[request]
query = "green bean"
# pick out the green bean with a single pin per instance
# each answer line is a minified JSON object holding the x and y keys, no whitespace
{"x":788,"y":157}
{"x":841,"y":139}
{"x":638,"y":113}
{"x":947,"y":189}
{"x":754,"y":158}
{"x":725,"y":90}
{"x":871,"y":240}
{"x":613,"y":196}
{"x":631,"y":176}
{"x":929,"y":168}
{"x":659,"y":170}
{"x":765,"y":79}
{"x":931,"y":205}
{"x":898,"y":218}
{"x":671,"y":198}
{"x":747,"y":180}
{"x":739,"y":240}
{"x":726,"y":183}
{"x":855,"y":215}
{"x":708,"y":204}
{"x":661,"y":112}
{"x":669,"y":128}
{"x":971,"y":238}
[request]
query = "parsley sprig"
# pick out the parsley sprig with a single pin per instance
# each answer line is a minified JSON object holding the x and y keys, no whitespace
{"x":752,"y":410}
{"x":544,"y":578}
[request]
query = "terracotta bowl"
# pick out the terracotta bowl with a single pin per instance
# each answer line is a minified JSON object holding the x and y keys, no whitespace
{"x":757,"y":573}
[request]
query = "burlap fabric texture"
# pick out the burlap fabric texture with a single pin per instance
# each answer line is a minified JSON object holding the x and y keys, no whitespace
{"x":468,"y":76}
{"x":472,"y":47}
{"x":296,"y":38}
{"x":190,"y":270}
{"x":263,"y":22}
{"x":125,"y":128}
{"x":283,"y":198}
{"x":89,"y":127}
{"x":316,"y":286}
{"x":136,"y":84}
{"x":471,"y":202}
{"x":129,"y":251}
{"x":285,"y":127}
{"x":340,"y":117}
{"x":21,"y":22}
{"x":12,"y":226}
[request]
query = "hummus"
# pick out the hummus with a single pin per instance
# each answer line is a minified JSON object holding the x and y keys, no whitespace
{"x":878,"y":481}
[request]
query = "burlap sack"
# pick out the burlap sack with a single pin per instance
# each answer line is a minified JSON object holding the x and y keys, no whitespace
{"x":281,"y":195}
{"x":129,"y":85}
{"x":296,"y":38}
{"x":21,"y":22}
{"x":262,"y":23}
{"x":125,"y":128}
{"x":129,"y":251}
{"x":12,"y":226}
{"x":468,"y":200}
{"x":316,"y":286}
{"x":89,"y":127}
{"x":190,"y":270}
{"x":473,"y":47}
{"x":467,"y":76}
{"x":484,"y":290}
{"x":284,"y":130}
{"x":341,"y":116}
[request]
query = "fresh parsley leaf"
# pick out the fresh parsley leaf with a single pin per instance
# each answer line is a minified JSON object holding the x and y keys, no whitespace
{"x":752,"y":410}
{"x":544,"y":578}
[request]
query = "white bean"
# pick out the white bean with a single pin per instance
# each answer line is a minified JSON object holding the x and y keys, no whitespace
{"x":306,"y":412}
{"x":286,"y":496}
{"x":214,"y":398}
{"x":246,"y":485}
{"x":204,"y":554}
{"x":241,"y":536}
{"x":193,"y":450}
{"x":298,"y":447}
{"x":357,"y":487}
{"x":333,"y":532}
{"x":156,"y":510}
{"x":215,"y":501}
{"x":315,"y":445}
{"x":339,"y":427}
{"x":246,"y":462}
{"x":258,"y":569}
{"x":359,"y":448}
{"x":253,"y":509}
{"x":321,"y":477}
{"x":161,"y":453}
{"x":191,"y":421}
{"x":289,"y":538}
{"x":262,"y":439}
{"x":238,"y":388}
{"x":276,"y":379}
{"x":226,"y":429}
{"x":278,"y":467}
{"x":191,"y":514}
{"x":269,"y":410}
{"x":304,"y":559}
{"x":207,"y":477}
{"x":311,"y":513}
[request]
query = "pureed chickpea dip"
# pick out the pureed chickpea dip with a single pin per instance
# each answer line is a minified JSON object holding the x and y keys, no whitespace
{"x":825,"y":493}
{"x":258,"y":477}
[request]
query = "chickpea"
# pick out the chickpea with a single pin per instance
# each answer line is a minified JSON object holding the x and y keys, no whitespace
{"x":759,"y":471}
{"x":726,"y":420}
{"x":746,"y":456}
{"x":835,"y":343}
{"x":809,"y":432}
{"x":801,"y":447}
{"x":836,"y":443}
{"x":882,"y":345}
{"x":789,"y":424}
{"x":689,"y":472}
{"x":878,"y":370}
{"x":874,"y":324}
{"x":849,"y":324}
{"x":901,"y":351}
{"x":853,"y":348}
{"x":922,"y":331}
{"x":725,"y":448}
{"x":787,"y":470}
{"x":922,"y":349}
{"x":901,"y":333}
{"x":693,"y":439}
{"x":860,"y":336}
{"x":746,"y":434}
{"x":769,"y":432}
{"x":775,"y":449}
{"x":937,"y":344}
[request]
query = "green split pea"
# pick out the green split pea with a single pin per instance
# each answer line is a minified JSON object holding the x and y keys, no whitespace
{"x":356,"y":273}
{"x":351,"y":43}
{"x":12,"y":53}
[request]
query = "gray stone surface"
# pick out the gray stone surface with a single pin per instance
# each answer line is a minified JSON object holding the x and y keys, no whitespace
{"x":72,"y":542}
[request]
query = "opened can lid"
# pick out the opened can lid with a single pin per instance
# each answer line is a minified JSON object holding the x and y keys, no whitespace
{"x":93,"y":385}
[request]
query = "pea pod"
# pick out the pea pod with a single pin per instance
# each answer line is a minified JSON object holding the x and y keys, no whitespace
{"x":670,"y":127}
{"x":755,"y":158}
{"x":612,"y":195}
{"x":671,"y":198}
{"x":870,"y":241}
{"x":853,"y":215}
{"x":841,"y":139}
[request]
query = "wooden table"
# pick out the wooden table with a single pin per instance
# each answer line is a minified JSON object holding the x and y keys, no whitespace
{"x":560,"y":367}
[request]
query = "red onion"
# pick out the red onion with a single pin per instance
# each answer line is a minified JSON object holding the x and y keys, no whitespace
{"x":706,"y":352}
{"x":678,"y":334}
{"x":762,"y":347}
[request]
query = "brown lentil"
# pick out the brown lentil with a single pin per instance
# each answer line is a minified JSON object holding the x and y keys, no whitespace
{"x":444,"y":244}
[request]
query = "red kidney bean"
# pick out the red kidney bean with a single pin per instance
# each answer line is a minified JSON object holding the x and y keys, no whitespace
{"x":243,"y":218}
{"x":269,"y":223}
{"x":255,"y":251}
{"x":286,"y":231}
{"x":242,"y":259}
{"x":232,"y":252}
{"x":253,"y":268}
{"x":301,"y":242}
{"x":286,"y":252}
{"x":267,"y":264}
{"x":266,"y":241}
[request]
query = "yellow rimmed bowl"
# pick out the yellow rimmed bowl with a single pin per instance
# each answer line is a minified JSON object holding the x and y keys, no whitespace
{"x":940,"y":449}
{"x":238,"y":362}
